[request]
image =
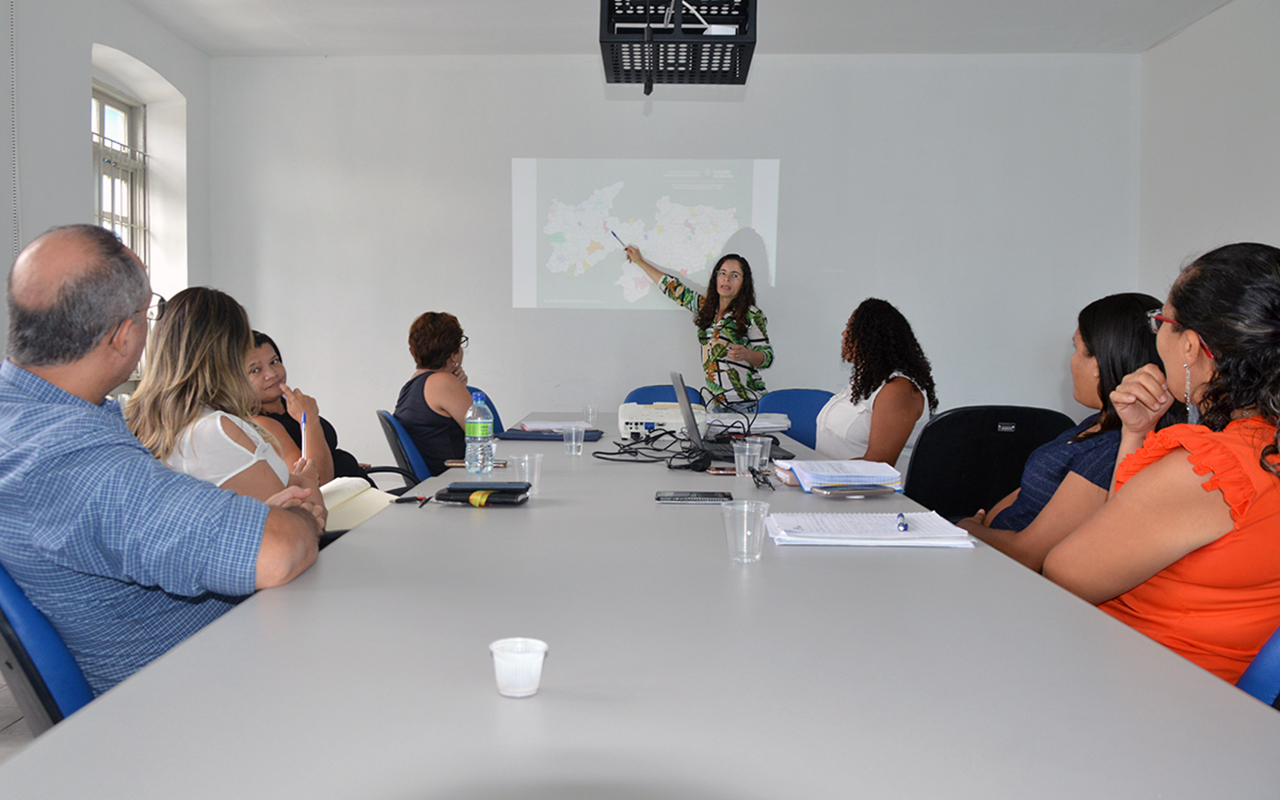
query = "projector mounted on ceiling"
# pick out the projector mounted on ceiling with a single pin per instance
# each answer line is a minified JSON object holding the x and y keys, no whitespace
{"x":676,"y":41}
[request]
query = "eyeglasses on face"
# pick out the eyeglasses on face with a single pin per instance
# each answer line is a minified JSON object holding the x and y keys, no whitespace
{"x":463,"y":344}
{"x":1155,"y":319}
{"x":155,"y":308}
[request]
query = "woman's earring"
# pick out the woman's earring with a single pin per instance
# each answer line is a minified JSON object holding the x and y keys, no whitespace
{"x":1193,"y":413}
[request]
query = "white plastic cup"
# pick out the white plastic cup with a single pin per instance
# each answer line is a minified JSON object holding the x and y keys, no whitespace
{"x":517,"y":666}
{"x":574,"y":436}
{"x":744,"y":528}
{"x":766,"y":447}
{"x":746,"y":457}
{"x":528,"y":468}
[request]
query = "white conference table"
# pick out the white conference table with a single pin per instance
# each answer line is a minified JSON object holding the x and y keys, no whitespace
{"x":818,"y":672}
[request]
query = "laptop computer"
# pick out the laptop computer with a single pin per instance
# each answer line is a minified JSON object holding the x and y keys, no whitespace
{"x":719,"y":451}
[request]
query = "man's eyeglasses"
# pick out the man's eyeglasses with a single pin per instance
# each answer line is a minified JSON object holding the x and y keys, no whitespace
{"x":463,"y":344}
{"x":155,"y":309}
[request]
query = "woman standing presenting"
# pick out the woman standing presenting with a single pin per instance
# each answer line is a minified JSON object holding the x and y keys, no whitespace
{"x":733,"y":332}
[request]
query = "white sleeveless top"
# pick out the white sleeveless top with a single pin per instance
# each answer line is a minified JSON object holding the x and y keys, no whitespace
{"x":844,"y":428}
{"x":205,"y":451}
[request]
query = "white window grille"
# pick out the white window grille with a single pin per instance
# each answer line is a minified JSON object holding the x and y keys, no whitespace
{"x":118,"y":129}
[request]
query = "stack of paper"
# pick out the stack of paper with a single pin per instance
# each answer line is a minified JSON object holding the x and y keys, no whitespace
{"x":924,"y":529}
{"x":842,"y":473}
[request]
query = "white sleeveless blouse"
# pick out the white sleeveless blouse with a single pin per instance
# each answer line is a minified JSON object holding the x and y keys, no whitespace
{"x":205,"y":451}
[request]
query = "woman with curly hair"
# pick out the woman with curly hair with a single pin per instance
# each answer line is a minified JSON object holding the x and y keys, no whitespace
{"x":1187,"y":547}
{"x":877,"y":416}
{"x":733,"y":332}
{"x":1066,"y":480}
{"x":433,"y":405}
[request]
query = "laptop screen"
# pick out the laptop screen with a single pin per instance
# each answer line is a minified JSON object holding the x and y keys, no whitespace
{"x":686,"y":410}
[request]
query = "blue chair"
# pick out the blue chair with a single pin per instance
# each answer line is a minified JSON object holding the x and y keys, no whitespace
{"x":1262,"y":678}
{"x":45,"y":679}
{"x":661,"y":393}
{"x":801,"y":406}
{"x":403,"y":449}
{"x":497,"y":420}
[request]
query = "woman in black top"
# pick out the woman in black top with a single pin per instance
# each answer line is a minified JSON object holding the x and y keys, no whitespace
{"x":281,"y":415}
{"x":433,"y":404}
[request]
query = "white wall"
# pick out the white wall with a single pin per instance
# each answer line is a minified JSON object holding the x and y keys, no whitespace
{"x":990,"y":197}
{"x":1210,"y":139}
{"x":54,"y":74}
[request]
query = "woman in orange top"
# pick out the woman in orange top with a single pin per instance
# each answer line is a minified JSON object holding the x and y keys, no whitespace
{"x":1187,"y":548}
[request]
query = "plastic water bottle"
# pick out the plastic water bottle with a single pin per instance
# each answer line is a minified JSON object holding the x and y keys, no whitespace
{"x":479,"y":430}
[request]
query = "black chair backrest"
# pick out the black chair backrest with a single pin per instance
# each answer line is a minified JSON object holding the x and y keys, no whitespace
{"x":969,"y":458}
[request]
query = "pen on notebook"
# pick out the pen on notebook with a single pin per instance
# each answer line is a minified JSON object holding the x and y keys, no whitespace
{"x":902,"y":523}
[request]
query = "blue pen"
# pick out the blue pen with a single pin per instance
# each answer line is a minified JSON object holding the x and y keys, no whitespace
{"x":304,"y":436}
{"x":614,"y":235}
{"x":902,"y":523}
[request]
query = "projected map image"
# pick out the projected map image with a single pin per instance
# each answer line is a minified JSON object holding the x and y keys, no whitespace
{"x":571,"y":218}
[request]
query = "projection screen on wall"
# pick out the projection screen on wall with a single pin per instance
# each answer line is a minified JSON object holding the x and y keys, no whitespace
{"x":571,"y":217}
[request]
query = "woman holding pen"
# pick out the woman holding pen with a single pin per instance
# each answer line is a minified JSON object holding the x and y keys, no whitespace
{"x":293,"y":418}
{"x":732,"y":330}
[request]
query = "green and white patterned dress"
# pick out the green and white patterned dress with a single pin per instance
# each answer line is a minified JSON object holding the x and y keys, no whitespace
{"x":737,"y":381}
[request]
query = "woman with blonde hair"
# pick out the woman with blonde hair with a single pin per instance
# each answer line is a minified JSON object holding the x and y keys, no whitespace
{"x":194,"y":405}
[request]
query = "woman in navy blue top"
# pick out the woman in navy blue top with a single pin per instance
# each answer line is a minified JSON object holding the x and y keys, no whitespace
{"x":1065,"y":481}
{"x":433,"y":405}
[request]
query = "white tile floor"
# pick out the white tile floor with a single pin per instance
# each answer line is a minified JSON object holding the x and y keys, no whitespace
{"x":13,"y":729}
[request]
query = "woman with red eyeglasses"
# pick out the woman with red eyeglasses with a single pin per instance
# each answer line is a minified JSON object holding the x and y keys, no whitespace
{"x":1187,"y":547}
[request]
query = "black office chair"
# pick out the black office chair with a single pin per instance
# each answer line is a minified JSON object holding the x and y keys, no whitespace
{"x":45,"y":678}
{"x":970,"y":458}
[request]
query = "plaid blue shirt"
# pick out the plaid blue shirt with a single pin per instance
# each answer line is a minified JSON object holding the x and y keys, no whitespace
{"x":124,"y":556}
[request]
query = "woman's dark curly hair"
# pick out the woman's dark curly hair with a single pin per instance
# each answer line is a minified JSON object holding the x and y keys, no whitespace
{"x":433,"y":337}
{"x":1231,"y":298}
{"x":878,"y":342}
{"x":741,"y":304}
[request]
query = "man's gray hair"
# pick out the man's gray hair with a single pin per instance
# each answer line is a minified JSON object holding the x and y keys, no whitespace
{"x":86,"y":309}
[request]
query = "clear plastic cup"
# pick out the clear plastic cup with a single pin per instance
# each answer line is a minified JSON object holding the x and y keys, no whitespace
{"x":527,"y":467}
{"x":744,"y":528}
{"x":766,"y":447}
{"x":590,"y":411}
{"x":517,"y":666}
{"x":746,"y":457}
{"x":574,"y":436}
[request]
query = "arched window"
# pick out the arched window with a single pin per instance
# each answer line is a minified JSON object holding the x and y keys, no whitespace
{"x":140,"y":184}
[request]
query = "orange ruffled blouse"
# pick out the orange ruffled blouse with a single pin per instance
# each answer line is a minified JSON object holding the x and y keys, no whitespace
{"x":1216,"y":605}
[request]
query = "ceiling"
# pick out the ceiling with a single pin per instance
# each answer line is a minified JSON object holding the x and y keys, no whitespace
{"x":459,"y":27}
